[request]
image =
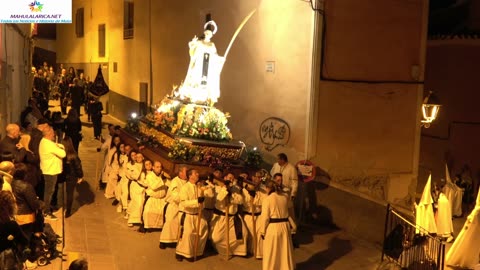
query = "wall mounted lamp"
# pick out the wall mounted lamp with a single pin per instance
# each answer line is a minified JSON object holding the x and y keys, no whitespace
{"x":430,"y":108}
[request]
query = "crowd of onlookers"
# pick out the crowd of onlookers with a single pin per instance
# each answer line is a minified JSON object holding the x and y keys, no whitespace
{"x":37,"y":154}
{"x":70,"y":88}
{"x":33,"y":162}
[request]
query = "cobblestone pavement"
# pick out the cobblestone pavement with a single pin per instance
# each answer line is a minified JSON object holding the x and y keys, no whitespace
{"x":96,"y":232}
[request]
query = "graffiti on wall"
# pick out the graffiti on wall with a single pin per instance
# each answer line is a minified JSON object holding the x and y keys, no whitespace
{"x":274,"y":132}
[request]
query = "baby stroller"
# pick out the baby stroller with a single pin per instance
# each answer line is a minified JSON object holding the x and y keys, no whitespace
{"x":44,"y":247}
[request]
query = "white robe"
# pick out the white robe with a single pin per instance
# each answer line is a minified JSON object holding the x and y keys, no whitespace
{"x":153,"y":211}
{"x":248,"y":219}
{"x":196,"y":86}
{"x":121,"y":190}
{"x":190,"y":209}
{"x":465,"y":250}
{"x":170,"y":227}
{"x":277,"y":246}
{"x":105,"y":148}
{"x":112,"y":178}
{"x":444,"y":217}
{"x":289,"y":177}
{"x":219,"y":223}
{"x":454,"y":194}
{"x":137,"y":193}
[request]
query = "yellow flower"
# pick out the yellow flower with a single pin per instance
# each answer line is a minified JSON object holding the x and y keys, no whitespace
{"x":10,"y":237}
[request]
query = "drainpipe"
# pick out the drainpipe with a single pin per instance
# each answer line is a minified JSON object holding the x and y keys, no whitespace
{"x":150,"y":98}
{"x":312,"y":98}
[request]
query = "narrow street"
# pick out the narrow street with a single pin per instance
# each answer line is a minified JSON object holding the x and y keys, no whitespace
{"x":96,"y":232}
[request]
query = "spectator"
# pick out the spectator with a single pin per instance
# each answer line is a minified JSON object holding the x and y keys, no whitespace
{"x":27,"y":201}
{"x":73,"y":128}
{"x":58,"y":124}
{"x":51,"y":155}
{"x":12,"y":239}
{"x":76,"y":94}
{"x":6,"y":170}
{"x":10,"y":143}
{"x":96,"y":109}
{"x":73,"y":172}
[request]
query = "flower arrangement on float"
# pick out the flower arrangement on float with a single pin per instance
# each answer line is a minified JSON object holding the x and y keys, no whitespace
{"x":182,"y":150}
{"x":190,"y":120}
{"x":182,"y":120}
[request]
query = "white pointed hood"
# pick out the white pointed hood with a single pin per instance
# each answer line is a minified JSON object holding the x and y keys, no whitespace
{"x":427,"y":192}
{"x":424,"y":217}
{"x":447,"y":174}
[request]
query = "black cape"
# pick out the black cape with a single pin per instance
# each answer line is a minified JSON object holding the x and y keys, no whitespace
{"x":99,"y":86}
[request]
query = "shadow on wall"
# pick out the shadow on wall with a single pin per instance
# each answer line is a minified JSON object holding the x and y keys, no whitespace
{"x":310,"y":212}
{"x":337,"y":248}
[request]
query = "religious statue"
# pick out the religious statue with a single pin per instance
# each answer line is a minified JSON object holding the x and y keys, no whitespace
{"x":202,"y":83}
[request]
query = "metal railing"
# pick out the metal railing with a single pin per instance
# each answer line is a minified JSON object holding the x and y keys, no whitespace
{"x":406,"y":248}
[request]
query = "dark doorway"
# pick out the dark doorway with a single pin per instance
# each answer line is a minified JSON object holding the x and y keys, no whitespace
{"x":41,"y":55}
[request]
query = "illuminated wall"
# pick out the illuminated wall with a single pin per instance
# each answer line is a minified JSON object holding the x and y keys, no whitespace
{"x":363,"y":135}
{"x":278,"y":32}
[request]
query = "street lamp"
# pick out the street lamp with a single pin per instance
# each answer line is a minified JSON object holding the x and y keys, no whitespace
{"x":430,"y":108}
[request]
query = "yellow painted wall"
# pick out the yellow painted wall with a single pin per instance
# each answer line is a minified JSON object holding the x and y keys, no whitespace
{"x":357,"y":133}
{"x":279,"y":32}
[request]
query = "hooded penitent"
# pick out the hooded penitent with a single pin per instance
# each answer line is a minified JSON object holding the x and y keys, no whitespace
{"x":466,"y":248}
{"x":424,"y":217}
{"x":454,"y":194}
{"x":444,"y":216}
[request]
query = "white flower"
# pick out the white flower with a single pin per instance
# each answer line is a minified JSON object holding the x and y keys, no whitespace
{"x":10,"y":237}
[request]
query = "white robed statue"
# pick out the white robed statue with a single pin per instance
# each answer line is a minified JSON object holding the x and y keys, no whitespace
{"x":202,"y":83}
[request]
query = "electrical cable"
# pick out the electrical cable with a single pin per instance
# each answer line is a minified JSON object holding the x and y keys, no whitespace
{"x":319,"y":10}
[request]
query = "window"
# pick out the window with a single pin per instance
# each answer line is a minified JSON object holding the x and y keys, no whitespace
{"x":101,"y":40}
{"x":79,"y":23}
{"x":127,"y":19}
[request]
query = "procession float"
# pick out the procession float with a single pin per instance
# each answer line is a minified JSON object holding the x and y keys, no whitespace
{"x":185,"y":128}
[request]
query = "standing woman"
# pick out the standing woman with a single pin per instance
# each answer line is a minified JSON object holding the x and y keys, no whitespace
{"x":95,"y":109}
{"x":12,"y":239}
{"x":72,"y":169}
{"x":125,"y":181}
{"x":73,"y":128}
{"x":112,"y":167}
{"x":120,"y":197}
{"x":276,"y":229}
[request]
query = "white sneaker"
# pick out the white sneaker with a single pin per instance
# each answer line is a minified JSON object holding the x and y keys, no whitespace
{"x":30,"y":265}
{"x":126,"y":216}
{"x":119,"y":208}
